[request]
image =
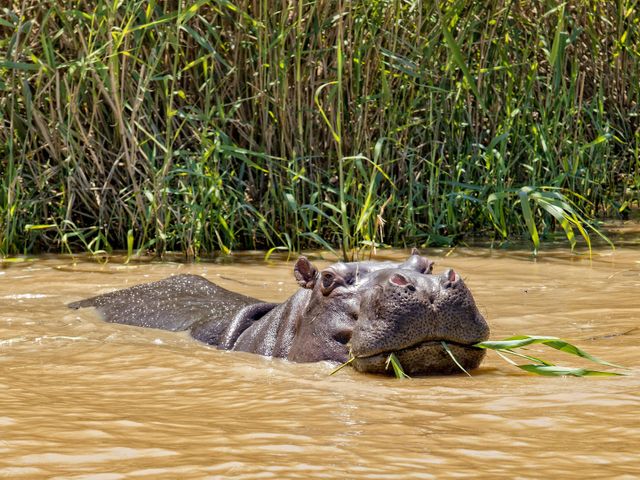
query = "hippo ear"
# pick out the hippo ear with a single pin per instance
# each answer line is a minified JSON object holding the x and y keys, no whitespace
{"x":418,"y":263}
{"x":306,"y":274}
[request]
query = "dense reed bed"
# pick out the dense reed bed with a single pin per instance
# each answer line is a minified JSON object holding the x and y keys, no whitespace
{"x":215,"y":125}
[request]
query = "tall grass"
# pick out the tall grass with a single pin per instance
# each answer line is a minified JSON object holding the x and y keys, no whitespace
{"x":218,"y":125}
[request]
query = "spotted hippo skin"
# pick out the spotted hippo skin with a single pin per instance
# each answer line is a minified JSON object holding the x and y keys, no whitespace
{"x":362,"y":309}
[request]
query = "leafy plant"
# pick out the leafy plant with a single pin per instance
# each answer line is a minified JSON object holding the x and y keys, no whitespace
{"x":540,"y":366}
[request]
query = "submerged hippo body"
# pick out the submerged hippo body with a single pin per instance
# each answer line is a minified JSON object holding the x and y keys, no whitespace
{"x":363,"y":309}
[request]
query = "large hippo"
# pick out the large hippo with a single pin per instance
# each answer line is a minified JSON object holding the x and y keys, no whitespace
{"x":367,"y":310}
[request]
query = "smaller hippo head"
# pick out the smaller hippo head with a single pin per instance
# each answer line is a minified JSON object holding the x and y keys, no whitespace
{"x":369,"y":310}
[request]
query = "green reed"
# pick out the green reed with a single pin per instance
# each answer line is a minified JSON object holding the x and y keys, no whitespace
{"x":215,"y":125}
{"x":507,"y":347}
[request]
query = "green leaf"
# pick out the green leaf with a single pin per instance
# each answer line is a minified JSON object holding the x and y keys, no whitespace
{"x":527,"y":214}
{"x":573,"y":350}
{"x":531,"y":358}
{"x":340,"y":367}
{"x":130,"y":241}
{"x":19,"y":65}
{"x":556,"y":47}
{"x":557,"y":371}
{"x":455,"y":360}
{"x":516,"y":341}
{"x":274,"y":249}
{"x":39,"y":227}
{"x":456,"y":53}
{"x":397,"y":367}
{"x":599,"y":139}
{"x":553,"y":342}
{"x":316,"y":99}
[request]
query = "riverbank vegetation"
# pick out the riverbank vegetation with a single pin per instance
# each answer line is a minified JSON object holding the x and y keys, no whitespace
{"x":204,"y":126}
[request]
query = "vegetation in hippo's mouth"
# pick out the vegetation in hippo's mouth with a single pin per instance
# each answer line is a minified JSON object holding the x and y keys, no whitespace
{"x":342,"y":365}
{"x":453,"y":357}
{"x":507,"y":346}
{"x":398,"y":371}
{"x":541,"y":366}
{"x":392,"y":361}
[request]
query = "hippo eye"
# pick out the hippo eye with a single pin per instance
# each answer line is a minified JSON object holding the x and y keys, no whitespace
{"x":327,"y":279}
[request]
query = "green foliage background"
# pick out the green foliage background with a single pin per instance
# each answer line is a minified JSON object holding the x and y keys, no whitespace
{"x":219,"y":125}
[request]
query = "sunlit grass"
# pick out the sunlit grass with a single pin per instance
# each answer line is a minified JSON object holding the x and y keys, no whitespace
{"x":211,"y":126}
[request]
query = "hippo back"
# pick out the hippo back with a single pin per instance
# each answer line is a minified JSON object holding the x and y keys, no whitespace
{"x":180,"y":302}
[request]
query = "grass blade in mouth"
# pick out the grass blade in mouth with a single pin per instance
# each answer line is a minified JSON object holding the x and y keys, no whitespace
{"x":397,"y":367}
{"x":522,"y":355}
{"x":505,"y":347}
{"x":340,"y":367}
{"x":558,"y":371}
{"x":543,"y":367}
{"x":455,"y":360}
{"x":573,"y":350}
{"x":553,"y":342}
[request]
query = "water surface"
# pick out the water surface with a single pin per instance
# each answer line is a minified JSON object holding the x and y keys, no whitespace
{"x":80,"y":398}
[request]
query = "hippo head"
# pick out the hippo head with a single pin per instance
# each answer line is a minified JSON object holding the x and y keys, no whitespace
{"x":369,"y":310}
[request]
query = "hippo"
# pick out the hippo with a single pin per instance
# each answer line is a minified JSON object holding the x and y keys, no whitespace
{"x":358,"y":311}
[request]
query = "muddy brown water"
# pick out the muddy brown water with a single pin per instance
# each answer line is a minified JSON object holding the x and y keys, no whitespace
{"x":80,"y":398}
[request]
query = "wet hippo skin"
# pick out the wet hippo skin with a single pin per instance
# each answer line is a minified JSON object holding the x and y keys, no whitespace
{"x":362,"y":309}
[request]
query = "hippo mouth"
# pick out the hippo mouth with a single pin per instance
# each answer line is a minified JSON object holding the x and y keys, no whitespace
{"x":424,"y":358}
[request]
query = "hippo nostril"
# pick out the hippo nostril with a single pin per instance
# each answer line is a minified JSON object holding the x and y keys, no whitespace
{"x":342,"y":336}
{"x":450,"y":279}
{"x":451,"y":275}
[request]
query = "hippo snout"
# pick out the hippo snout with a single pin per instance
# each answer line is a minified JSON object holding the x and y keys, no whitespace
{"x":411,"y":314}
